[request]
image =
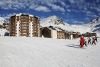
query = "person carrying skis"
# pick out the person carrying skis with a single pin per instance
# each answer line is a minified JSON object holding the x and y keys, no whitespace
{"x":82,"y":42}
{"x":89,"y":40}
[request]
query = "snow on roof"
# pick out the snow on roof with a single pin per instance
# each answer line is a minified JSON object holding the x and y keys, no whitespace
{"x":18,"y":14}
{"x":23,"y":14}
{"x":54,"y":28}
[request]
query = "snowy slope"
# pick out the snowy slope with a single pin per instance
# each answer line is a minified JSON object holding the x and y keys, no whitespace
{"x":2,"y":20}
{"x":45,"y":52}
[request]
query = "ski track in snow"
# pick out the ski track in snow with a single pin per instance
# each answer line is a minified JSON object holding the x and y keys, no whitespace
{"x":46,"y":52}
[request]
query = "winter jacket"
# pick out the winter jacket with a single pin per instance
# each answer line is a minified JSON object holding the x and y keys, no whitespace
{"x":82,"y":40}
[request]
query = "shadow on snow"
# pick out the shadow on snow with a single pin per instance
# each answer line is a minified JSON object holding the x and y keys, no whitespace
{"x":73,"y":45}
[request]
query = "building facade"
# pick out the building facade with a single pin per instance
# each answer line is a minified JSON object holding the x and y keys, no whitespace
{"x":24,"y":25}
{"x":76,"y":35}
{"x":61,"y":35}
{"x":89,"y":34}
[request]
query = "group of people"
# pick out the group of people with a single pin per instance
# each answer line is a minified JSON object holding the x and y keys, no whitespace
{"x":90,"y":40}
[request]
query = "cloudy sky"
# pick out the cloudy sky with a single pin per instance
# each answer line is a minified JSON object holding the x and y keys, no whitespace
{"x":70,"y":11}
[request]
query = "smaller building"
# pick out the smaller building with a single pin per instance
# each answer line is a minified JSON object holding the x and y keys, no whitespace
{"x":76,"y":34}
{"x":61,"y":34}
{"x":89,"y":34}
{"x":93,"y":34}
{"x":46,"y":32}
{"x":53,"y":32}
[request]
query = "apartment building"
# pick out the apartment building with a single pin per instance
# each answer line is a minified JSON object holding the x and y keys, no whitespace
{"x":24,"y":25}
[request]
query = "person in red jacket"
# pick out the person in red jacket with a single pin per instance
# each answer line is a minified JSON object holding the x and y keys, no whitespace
{"x":82,"y":40}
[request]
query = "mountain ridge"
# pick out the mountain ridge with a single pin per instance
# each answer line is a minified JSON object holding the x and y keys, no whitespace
{"x":2,"y":20}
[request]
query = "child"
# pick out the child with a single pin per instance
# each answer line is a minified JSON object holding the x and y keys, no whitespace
{"x":89,"y":40}
{"x":93,"y":41}
{"x":96,"y":39}
{"x":85,"y":42}
{"x":82,"y":42}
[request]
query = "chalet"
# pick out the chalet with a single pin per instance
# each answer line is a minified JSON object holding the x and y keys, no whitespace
{"x":53,"y":32}
{"x":93,"y":34}
{"x":76,"y":35}
{"x":89,"y":34}
{"x":46,"y":32}
{"x":61,"y":34}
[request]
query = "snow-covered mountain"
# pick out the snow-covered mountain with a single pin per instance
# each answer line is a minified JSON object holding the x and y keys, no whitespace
{"x":51,"y":21}
{"x":57,"y":22}
{"x":2,"y":31}
{"x":95,"y":25}
{"x":2,"y":20}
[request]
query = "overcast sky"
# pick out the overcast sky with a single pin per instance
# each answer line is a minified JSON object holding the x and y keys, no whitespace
{"x":70,"y":11}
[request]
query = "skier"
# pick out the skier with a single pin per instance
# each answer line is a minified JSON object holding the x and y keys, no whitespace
{"x":89,"y":40}
{"x":82,"y":42}
{"x":93,"y":41}
{"x":96,"y":39}
{"x":85,"y":43}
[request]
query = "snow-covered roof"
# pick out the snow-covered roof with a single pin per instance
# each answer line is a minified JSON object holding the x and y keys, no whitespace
{"x":23,"y":14}
{"x":54,"y":28}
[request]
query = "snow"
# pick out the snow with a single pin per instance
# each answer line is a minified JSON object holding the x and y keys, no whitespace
{"x":2,"y":20}
{"x":24,"y":14}
{"x":2,"y":32}
{"x":53,"y":21}
{"x":93,"y":26}
{"x":47,"y":52}
{"x":76,"y":28}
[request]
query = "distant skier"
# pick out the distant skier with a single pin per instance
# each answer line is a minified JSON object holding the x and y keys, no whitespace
{"x":85,"y":43}
{"x":93,"y":41}
{"x":82,"y":42}
{"x":96,"y":39}
{"x":89,"y":40}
